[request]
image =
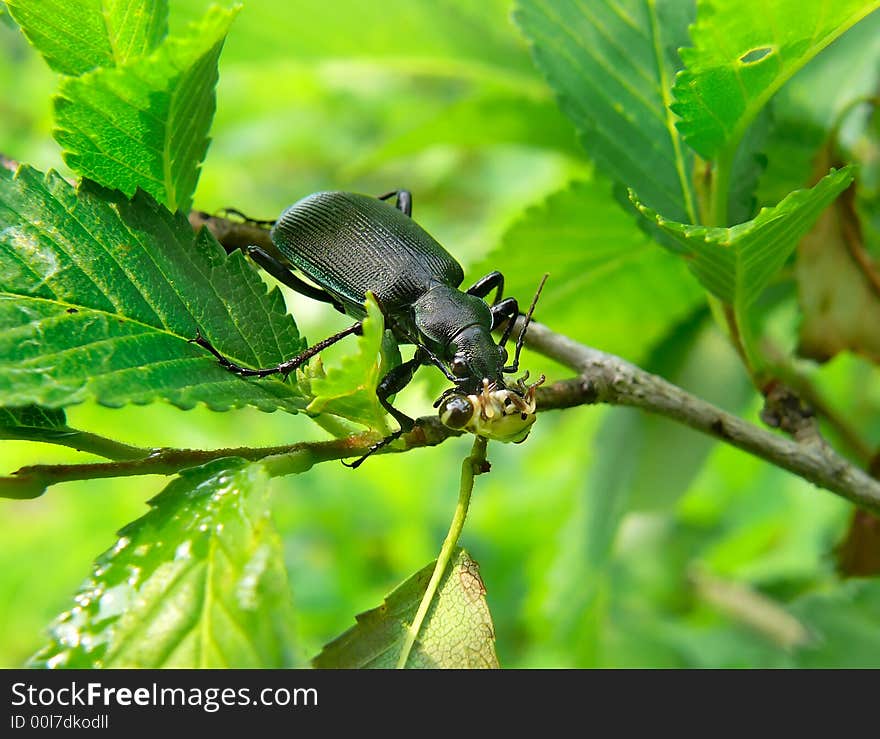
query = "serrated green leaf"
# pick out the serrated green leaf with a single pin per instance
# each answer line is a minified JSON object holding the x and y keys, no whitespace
{"x":349,"y":390}
{"x":49,"y":425}
{"x":748,"y":167}
{"x":33,"y":422}
{"x":611,"y":64}
{"x":843,"y":626}
{"x":196,"y":582}
{"x":735,"y":264}
{"x":99,"y":297}
{"x":145,"y":124}
{"x":32,"y":416}
{"x":456,"y":633}
{"x":742,"y":54}
{"x":609,"y":285}
{"x":75,"y":37}
{"x":814,"y":101}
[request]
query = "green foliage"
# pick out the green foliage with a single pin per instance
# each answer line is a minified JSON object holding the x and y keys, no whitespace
{"x":197,"y":582}
{"x":116,"y":289}
{"x":842,"y":625}
{"x":447,"y":30}
{"x":580,"y":584}
{"x":600,"y":263}
{"x":75,"y":38}
{"x":457,"y":632}
{"x":611,"y":65}
{"x":609,"y":538}
{"x":32,"y":417}
{"x":481,"y":120}
{"x":349,"y":391}
{"x":145,"y":123}
{"x":815,"y":101}
{"x":742,"y":54}
{"x":735,"y":264}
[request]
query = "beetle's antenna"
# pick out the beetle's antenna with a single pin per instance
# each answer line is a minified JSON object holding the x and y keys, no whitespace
{"x":521,"y":339}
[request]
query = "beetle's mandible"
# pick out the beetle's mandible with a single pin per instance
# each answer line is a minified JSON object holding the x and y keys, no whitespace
{"x":348,"y":244}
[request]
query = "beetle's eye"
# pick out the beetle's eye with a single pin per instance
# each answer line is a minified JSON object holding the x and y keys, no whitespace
{"x":503,"y":352}
{"x":459,"y":366}
{"x":456,"y":411}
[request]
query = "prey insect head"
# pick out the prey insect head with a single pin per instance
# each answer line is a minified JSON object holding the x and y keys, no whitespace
{"x":495,"y":412}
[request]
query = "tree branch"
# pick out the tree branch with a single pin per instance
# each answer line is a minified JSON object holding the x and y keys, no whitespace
{"x":82,"y":441}
{"x":605,"y":378}
{"x":602,"y":378}
{"x":233,"y":234}
{"x":32,"y":481}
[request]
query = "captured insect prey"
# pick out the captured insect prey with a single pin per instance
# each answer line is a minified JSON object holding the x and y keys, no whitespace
{"x":503,"y":414}
{"x":347,"y":245}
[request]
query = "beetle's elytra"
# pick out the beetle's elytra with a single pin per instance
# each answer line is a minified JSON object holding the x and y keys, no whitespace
{"x":348,"y":244}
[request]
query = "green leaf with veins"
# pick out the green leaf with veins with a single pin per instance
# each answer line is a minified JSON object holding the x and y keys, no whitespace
{"x":196,"y":582}
{"x":735,"y":264}
{"x":456,"y":633}
{"x":100,"y":296}
{"x":814,"y":102}
{"x":145,"y":124}
{"x":742,"y":54}
{"x":33,"y":417}
{"x":34,"y":423}
{"x":611,"y":64}
{"x":609,"y":286}
{"x":49,"y":425}
{"x":349,"y":390}
{"x":75,"y":37}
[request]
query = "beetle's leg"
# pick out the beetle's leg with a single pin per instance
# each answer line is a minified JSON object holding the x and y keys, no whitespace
{"x":430,"y":358}
{"x":502,"y":310}
{"x":235,"y":212}
{"x":402,"y":202}
{"x":284,"y":275}
{"x":482,"y":287}
{"x":505,"y":310}
{"x":427,"y":356}
{"x":393,"y":382}
{"x":284,"y":368}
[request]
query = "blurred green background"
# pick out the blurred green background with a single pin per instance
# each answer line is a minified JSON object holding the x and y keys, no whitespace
{"x":608,"y":539}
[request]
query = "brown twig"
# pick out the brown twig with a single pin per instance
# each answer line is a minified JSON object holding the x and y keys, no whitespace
{"x":602,"y":378}
{"x":609,"y":379}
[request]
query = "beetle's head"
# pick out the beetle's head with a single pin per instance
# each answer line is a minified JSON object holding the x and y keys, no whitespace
{"x":495,"y":412}
{"x":476,"y":358}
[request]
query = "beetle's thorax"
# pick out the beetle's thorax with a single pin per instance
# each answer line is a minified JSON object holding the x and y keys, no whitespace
{"x":457,"y":323}
{"x":442,"y":312}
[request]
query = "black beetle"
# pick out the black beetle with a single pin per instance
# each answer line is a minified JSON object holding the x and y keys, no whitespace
{"x":349,"y":244}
